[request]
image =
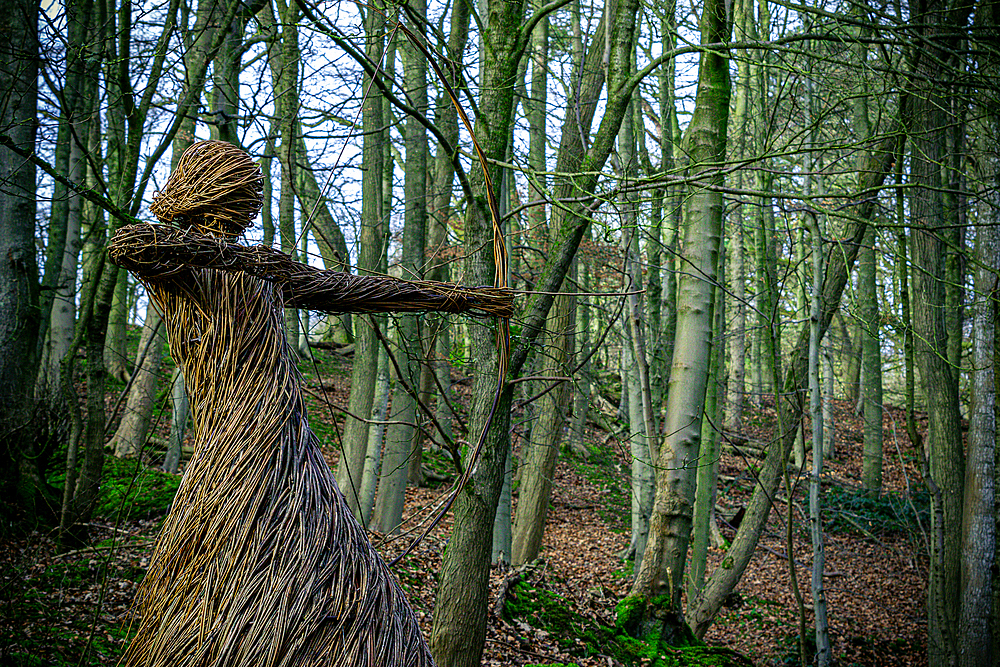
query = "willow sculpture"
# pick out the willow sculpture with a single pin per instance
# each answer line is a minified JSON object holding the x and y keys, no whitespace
{"x":259,"y":561}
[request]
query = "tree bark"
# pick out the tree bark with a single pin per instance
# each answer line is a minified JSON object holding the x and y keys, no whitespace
{"x":979,"y":623}
{"x":539,"y":466}
{"x":822,"y":631}
{"x":370,"y":256}
{"x":400,"y":433}
{"x":180,"y":415}
{"x":705,"y":141}
{"x":130,"y":436}
{"x":944,"y":448}
{"x":19,"y":294}
{"x":871,"y":361}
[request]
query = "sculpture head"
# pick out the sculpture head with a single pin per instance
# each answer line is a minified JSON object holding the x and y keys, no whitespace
{"x":216,"y":189}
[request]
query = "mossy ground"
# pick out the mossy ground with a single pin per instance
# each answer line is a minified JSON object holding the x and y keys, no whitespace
{"x":633,"y":640}
{"x":134,"y":490}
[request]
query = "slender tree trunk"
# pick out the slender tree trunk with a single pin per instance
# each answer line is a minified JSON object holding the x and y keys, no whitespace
{"x":582,"y":390}
{"x":768,"y":336}
{"x":370,"y":253}
{"x":130,"y":437}
{"x":705,"y":142}
{"x":438,"y":241}
{"x":823,"y":652}
{"x":539,"y":466}
{"x":400,"y":434}
{"x":58,"y":301}
{"x":829,"y":426}
{"x":329,"y":236}
{"x":284,"y":63}
{"x":537,"y":137}
{"x":116,"y":345}
{"x":376,"y":434}
{"x":180,"y":415}
{"x":871,"y":360}
{"x":635,"y":371}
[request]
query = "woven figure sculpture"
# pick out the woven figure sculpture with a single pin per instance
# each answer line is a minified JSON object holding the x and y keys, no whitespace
{"x":259,"y":561}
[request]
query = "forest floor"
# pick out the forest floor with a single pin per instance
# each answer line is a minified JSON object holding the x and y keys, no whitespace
{"x":60,"y":607}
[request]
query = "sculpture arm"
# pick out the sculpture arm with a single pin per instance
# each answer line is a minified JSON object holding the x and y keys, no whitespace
{"x":154,"y":251}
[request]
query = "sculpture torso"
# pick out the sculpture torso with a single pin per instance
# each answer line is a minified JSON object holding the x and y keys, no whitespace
{"x":259,"y":561}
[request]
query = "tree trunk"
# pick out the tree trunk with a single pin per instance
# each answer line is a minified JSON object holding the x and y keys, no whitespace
{"x":768,"y":338}
{"x":979,"y":624}
{"x":116,"y":344}
{"x":705,"y":142}
{"x":540,"y":458}
{"x":978,"y":549}
{"x":284,"y":64}
{"x":370,"y":256}
{"x":58,"y":300}
{"x":19,"y":316}
{"x":871,"y":361}
{"x":708,"y":459}
{"x":376,"y":434}
{"x":329,"y":236}
{"x":400,"y":433}
{"x":130,"y":437}
{"x":940,"y":380}
{"x":823,"y":651}
{"x":180,"y":415}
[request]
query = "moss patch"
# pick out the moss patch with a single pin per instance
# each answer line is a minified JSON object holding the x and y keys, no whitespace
{"x":643,"y":634}
{"x":133,"y":490}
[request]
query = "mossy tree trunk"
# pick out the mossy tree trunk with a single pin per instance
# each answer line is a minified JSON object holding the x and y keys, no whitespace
{"x":662,"y":570}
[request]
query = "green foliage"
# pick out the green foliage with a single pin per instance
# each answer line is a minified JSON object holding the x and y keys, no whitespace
{"x":135,"y":490}
{"x":632,"y":641}
{"x":854,"y":511}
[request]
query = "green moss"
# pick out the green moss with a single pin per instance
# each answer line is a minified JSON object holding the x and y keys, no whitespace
{"x":135,"y":490}
{"x":645,"y":633}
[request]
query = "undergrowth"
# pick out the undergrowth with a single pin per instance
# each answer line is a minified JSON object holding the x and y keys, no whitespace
{"x":857,"y":512}
{"x":535,"y":606}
